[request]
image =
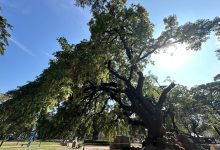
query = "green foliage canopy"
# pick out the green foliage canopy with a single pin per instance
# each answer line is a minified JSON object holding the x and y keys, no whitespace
{"x":109,"y":67}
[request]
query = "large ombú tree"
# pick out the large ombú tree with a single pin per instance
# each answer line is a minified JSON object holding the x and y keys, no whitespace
{"x":112,"y":62}
{"x":110,"y":65}
{"x":120,"y":48}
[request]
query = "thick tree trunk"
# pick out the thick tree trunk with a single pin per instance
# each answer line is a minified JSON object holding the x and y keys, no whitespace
{"x":150,"y":114}
{"x":155,"y":133}
{"x":155,"y":128}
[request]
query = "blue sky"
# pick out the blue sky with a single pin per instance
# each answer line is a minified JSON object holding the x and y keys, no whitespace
{"x":38,"y":23}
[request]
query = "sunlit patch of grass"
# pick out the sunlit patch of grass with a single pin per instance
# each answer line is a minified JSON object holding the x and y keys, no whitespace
{"x":34,"y":146}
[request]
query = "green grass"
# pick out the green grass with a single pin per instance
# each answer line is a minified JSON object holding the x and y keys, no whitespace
{"x":34,"y":146}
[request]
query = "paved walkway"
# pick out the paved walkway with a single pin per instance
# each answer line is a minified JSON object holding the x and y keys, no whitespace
{"x":96,"y":148}
{"x":85,"y":148}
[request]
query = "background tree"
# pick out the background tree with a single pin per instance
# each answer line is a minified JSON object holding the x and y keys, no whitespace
{"x":217,"y":77}
{"x":96,"y":5}
{"x":4,"y":34}
{"x":193,"y":112}
{"x":3,"y":98}
{"x":209,"y":94}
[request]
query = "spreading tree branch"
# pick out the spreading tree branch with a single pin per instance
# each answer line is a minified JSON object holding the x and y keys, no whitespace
{"x":157,"y":44}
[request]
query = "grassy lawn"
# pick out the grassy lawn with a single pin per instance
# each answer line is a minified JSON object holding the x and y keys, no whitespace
{"x":34,"y":146}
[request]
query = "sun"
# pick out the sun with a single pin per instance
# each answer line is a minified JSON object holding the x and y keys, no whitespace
{"x":173,"y":57}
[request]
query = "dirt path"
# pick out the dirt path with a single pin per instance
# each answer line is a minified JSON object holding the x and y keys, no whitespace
{"x":64,"y":148}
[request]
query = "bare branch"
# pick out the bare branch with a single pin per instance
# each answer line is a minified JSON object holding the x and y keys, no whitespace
{"x":163,"y":96}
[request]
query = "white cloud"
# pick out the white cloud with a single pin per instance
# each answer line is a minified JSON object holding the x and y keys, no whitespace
{"x":21,"y":46}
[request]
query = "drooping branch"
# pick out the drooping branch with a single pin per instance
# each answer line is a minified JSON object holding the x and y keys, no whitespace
{"x":163,"y":96}
{"x":119,"y":101}
{"x":111,"y":88}
{"x":94,"y":89}
{"x":89,"y":86}
{"x":89,"y":97}
{"x":136,"y":122}
{"x":110,"y":84}
{"x":87,"y":100}
{"x":103,"y":107}
{"x":116,"y":74}
{"x":98,"y":113}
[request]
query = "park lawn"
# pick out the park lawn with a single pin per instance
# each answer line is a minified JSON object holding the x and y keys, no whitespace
{"x":34,"y":146}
